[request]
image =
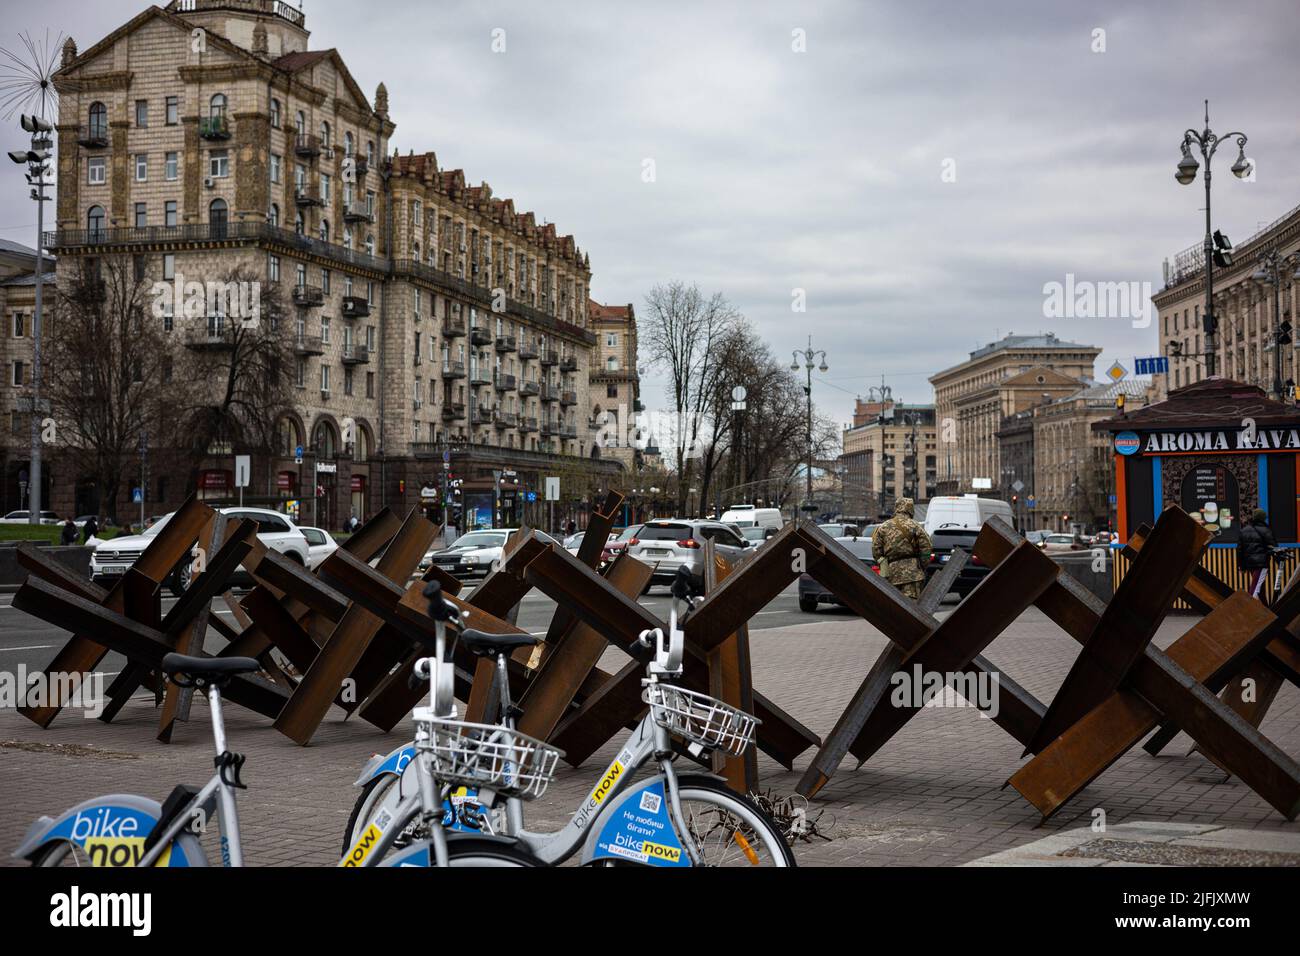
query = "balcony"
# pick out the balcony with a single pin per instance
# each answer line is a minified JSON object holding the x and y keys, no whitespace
{"x":549,"y":428}
{"x":504,"y":382}
{"x":568,"y":398}
{"x":505,"y":343}
{"x":528,"y":425}
{"x":214,"y":127}
{"x":307,"y":196}
{"x":355,"y":307}
{"x":453,"y":328}
{"x":93,"y":137}
{"x":479,"y":335}
{"x":360,"y":165}
{"x":505,"y":419}
{"x":480,"y":376}
{"x":308,"y":296}
{"x":529,"y":388}
{"x":358,"y":211}
{"x":309,"y":345}
{"x":550,"y":393}
{"x":453,"y":369}
{"x":356,"y":355}
{"x":480,"y":415}
{"x":549,"y":357}
{"x":307,"y":145}
{"x":210,"y":339}
{"x":569,"y":363}
{"x":527,"y":351}
{"x":453,"y":411}
{"x":569,"y":431}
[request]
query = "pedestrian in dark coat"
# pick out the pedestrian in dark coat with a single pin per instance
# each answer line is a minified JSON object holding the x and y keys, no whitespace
{"x":90,"y":529}
{"x":1255,"y":548}
{"x":69,"y":536}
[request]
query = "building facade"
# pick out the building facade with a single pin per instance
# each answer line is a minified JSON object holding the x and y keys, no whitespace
{"x":1249,"y":305}
{"x":890,"y":452}
{"x":998,"y":380}
{"x":439,"y":333}
{"x":615,"y":397}
{"x":17,"y":309}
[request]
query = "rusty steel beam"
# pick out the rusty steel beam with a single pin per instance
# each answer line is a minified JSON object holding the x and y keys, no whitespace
{"x":1130,"y":620}
{"x":82,"y":654}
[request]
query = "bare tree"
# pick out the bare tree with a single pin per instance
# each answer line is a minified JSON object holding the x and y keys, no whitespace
{"x":242,"y":377}
{"x":684,"y":332}
{"x":111,"y":370}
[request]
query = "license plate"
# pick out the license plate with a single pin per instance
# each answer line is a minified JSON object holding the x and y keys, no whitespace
{"x":114,"y":568}
{"x":943,"y":559}
{"x":658,"y":552}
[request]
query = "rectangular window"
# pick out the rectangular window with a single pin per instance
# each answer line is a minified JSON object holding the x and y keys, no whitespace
{"x":96,"y":167}
{"x":325,"y":281}
{"x":141,"y":215}
{"x":417,"y":348}
{"x":325,"y":188}
{"x":169,"y":266}
{"x":273,"y":268}
{"x":324,"y":378}
{"x":370,"y":338}
{"x":18,"y":373}
{"x":141,"y":167}
{"x":275,"y":168}
{"x":325,"y":331}
{"x":142,"y":113}
{"x":347,"y":381}
{"x":139,"y":263}
{"x":611,"y":340}
{"x":370,"y":385}
{"x":301,"y":380}
{"x":20,"y":325}
{"x":419,"y":213}
{"x":173,"y":111}
{"x":173,"y":162}
{"x":219,"y":163}
{"x":168,"y":317}
{"x":169,"y":214}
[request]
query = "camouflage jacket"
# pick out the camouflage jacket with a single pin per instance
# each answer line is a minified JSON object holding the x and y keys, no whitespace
{"x":902,"y":549}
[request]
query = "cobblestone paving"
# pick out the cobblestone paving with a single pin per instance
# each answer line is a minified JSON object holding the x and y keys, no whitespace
{"x":931,"y":796}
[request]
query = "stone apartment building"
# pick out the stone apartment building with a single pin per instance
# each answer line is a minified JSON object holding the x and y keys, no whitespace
{"x":438,"y":331}
{"x":998,"y":380}
{"x":889,"y":452}
{"x":17,"y":308}
{"x":616,"y":383}
{"x":1245,"y":302}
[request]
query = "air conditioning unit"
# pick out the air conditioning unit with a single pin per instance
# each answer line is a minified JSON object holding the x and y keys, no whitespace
{"x":418,"y":404}
{"x":417,"y":316}
{"x":209,"y":182}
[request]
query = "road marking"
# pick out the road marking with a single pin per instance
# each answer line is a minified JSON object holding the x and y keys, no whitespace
{"x":29,"y":647}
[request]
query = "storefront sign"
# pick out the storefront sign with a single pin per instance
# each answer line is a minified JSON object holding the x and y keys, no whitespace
{"x":326,"y":468}
{"x":214,"y":480}
{"x":1127,"y":443}
{"x":1244,"y":439}
{"x":358,"y":483}
{"x":1211,"y":496}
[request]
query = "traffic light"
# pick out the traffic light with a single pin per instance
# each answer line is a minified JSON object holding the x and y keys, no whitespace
{"x":401,"y":486}
{"x":1014,"y":499}
{"x":1222,"y":250}
{"x":1284,"y":333}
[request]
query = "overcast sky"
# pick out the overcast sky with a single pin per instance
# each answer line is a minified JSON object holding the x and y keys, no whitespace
{"x":825,"y":170}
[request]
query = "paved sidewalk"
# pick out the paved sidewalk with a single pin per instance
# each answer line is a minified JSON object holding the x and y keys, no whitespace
{"x":931,"y":796}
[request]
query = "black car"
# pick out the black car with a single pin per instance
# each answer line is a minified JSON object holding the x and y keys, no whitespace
{"x":942,"y":542}
{"x":811,"y":593}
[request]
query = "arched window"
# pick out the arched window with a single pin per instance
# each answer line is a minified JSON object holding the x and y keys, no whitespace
{"x":324,"y":135}
{"x":95,"y":222}
{"x":299,"y":226}
{"x":370,"y":245}
{"x":370,"y":152}
{"x":273,"y":217}
{"x":348,"y":143}
{"x":289,"y":437}
{"x":98,"y":119}
{"x":324,"y":230}
{"x":611,"y":364}
{"x":275,"y":113}
{"x":302,"y":123}
{"x":324,"y":440}
{"x":217,"y":106}
{"x":218,"y":218}
{"x":361,"y":444}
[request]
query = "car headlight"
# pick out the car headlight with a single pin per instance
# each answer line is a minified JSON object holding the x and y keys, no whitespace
{"x":471,"y":560}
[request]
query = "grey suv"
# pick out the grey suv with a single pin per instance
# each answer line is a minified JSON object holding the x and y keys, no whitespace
{"x":668,"y":544}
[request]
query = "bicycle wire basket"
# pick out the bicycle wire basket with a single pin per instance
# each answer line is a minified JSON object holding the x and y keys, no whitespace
{"x":489,"y":756}
{"x":700,"y":718}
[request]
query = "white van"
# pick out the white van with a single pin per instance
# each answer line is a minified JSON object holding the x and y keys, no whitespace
{"x":747,"y":516}
{"x":968,"y":512}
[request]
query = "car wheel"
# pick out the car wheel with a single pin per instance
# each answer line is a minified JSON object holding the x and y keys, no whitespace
{"x":808,"y":604}
{"x":180,"y":579}
{"x":295,"y":557}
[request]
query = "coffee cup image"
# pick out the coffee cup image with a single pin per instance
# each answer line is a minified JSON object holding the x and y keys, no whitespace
{"x":1211,"y":512}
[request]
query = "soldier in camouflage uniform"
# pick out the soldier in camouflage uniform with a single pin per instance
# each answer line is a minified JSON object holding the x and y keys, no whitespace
{"x":902,"y":549}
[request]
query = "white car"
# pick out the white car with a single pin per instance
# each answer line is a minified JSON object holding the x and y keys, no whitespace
{"x":111,"y":558}
{"x":320,"y":545}
{"x":473,"y":553}
{"x":21,"y":517}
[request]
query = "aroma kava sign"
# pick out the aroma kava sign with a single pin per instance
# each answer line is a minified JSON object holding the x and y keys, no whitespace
{"x":1244,"y":439}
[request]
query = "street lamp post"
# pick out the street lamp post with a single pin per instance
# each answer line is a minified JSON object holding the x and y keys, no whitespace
{"x":1272,"y":265}
{"x":36,"y":160}
{"x":808,"y":355}
{"x":1208,"y":143}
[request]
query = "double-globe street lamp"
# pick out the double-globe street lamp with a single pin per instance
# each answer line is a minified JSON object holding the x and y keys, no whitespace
{"x":1208,"y":143}
{"x":808,"y":355}
{"x":36,"y":159}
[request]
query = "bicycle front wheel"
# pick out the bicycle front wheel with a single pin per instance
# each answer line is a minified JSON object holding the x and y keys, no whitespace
{"x":728,"y":829}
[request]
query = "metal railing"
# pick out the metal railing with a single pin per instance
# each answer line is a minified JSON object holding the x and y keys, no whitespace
{"x":356,"y":354}
{"x":94,"y":136}
{"x":214,"y":127}
{"x":453,"y":369}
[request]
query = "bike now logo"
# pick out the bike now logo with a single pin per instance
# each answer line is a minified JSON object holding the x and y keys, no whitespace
{"x":75,"y":909}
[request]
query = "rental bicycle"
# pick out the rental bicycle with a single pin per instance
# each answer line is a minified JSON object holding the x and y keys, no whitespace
{"x":122,"y":830}
{"x":665,"y":819}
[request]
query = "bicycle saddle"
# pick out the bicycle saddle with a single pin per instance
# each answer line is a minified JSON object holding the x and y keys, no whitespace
{"x":209,"y":666}
{"x":489,"y":645}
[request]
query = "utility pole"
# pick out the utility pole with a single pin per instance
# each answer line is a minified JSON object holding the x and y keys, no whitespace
{"x":144,"y":472}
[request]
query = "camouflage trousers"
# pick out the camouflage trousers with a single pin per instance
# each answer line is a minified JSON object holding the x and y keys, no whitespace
{"x":911,"y":589}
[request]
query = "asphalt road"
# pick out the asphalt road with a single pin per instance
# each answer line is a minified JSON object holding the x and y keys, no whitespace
{"x":30,"y":643}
